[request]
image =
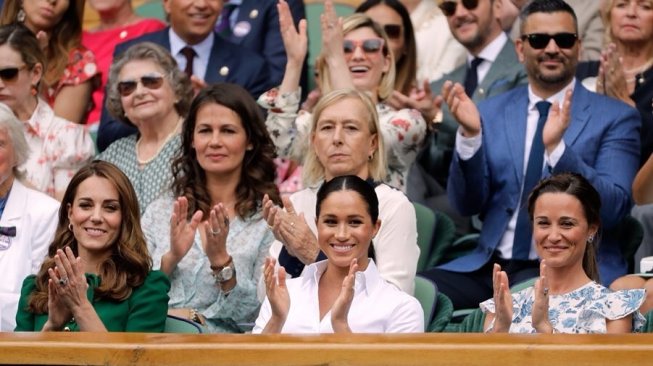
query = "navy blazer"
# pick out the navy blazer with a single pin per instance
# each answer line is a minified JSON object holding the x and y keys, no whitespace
{"x":246,"y":68}
{"x":602,"y":144}
{"x":257,"y":29}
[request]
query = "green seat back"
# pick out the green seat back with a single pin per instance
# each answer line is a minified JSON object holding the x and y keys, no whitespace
{"x":443,"y":237}
{"x":426,"y":224}
{"x":179,"y":325}
{"x":425,"y":292}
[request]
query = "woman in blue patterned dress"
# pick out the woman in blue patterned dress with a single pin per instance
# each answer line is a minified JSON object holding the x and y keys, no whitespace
{"x":208,"y":234}
{"x":567,"y":297}
{"x":147,"y":90}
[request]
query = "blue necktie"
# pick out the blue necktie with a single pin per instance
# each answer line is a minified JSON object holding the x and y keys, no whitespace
{"x":471,"y":78}
{"x":521,"y":245}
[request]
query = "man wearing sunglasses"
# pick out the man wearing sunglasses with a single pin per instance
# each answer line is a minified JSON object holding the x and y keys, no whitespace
{"x":199,"y":51}
{"x":492,"y":68}
{"x":512,"y":140}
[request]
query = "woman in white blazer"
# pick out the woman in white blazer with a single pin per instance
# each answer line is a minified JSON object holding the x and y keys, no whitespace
{"x":28,"y":219}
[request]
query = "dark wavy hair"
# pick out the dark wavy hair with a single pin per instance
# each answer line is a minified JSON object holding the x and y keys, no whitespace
{"x":129,"y":262}
{"x":355,"y":184}
{"x":258,"y":169}
{"x":65,"y":36}
{"x":406,"y":64}
{"x":575,"y":185}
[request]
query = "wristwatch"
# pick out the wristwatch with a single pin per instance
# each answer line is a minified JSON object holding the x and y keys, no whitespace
{"x":225,"y":272}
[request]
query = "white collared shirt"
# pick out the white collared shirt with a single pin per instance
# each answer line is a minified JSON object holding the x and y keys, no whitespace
{"x":202,"y":51}
{"x":467,"y":147}
{"x":377,"y":307}
{"x":489,"y":54}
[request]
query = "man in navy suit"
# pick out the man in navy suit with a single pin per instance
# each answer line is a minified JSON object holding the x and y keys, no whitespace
{"x":214,"y":59}
{"x":254,"y":24}
{"x":509,"y":141}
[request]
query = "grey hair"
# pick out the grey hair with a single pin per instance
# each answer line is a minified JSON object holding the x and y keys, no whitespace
{"x":177,"y":79}
{"x":10,"y":123}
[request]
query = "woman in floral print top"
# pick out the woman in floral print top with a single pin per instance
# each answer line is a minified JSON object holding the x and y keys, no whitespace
{"x":567,"y":298}
{"x":354,"y":55}
{"x":58,"y":147}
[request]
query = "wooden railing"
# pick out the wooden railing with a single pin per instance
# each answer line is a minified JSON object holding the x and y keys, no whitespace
{"x":420,"y":349}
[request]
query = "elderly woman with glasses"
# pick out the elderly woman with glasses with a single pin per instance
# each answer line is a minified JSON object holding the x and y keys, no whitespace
{"x":28,"y":219}
{"x":58,"y":147}
{"x":355,"y":54}
{"x":147,"y":90}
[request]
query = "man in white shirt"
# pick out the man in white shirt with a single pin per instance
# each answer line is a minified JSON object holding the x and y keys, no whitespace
{"x":509,"y":143}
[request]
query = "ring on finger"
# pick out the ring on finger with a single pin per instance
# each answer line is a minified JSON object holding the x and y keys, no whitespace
{"x":545,"y":291}
{"x":63,"y":281}
{"x":215,"y":232}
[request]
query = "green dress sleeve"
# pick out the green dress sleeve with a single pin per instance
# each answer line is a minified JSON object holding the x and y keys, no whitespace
{"x":25,"y":318}
{"x":148,"y":304}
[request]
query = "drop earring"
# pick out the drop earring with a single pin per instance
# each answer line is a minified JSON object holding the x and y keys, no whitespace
{"x":20,"y":17}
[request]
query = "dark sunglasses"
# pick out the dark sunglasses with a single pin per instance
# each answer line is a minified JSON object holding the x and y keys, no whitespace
{"x":540,"y":40}
{"x":392,"y":30}
{"x":448,"y":7}
{"x":372,"y":45}
{"x":125,"y":88}
{"x":10,"y":73}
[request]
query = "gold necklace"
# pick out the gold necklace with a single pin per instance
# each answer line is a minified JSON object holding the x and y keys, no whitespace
{"x":163,"y":144}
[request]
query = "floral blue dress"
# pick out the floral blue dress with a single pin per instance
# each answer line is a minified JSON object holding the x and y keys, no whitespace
{"x":583,"y":310}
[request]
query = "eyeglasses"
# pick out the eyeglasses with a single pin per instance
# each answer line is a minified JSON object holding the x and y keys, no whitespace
{"x":372,"y":45}
{"x":540,"y":40}
{"x":448,"y":7}
{"x":392,"y":30}
{"x":127,"y":87}
{"x":10,"y":73}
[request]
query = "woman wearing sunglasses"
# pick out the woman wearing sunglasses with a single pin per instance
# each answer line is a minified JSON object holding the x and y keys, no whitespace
{"x":395,"y":20}
{"x":147,"y":90}
{"x":355,"y":54}
{"x":58,"y":147}
{"x":68,"y":75}
{"x":207,"y":233}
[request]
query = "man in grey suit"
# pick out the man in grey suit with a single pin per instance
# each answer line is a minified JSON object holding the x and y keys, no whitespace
{"x":492,"y":68}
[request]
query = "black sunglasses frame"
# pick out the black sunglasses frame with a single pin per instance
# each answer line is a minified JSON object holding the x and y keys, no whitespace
{"x":127,"y":87}
{"x":393,"y":31}
{"x":539,"y":41}
{"x":448,"y":7}
{"x":9,"y":74}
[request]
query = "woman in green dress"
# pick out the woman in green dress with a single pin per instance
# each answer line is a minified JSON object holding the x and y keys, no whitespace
{"x":97,"y":275}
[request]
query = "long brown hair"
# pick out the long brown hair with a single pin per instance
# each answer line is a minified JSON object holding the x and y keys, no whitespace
{"x":129,"y":262}
{"x":65,"y":36}
{"x":258,"y":170}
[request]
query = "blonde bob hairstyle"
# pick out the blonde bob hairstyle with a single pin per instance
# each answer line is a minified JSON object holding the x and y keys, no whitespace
{"x":351,"y":23}
{"x":14,"y":129}
{"x":314,"y":171}
{"x":606,"y":15}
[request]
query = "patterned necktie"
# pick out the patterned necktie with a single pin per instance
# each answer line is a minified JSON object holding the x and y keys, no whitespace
{"x":471,"y":79}
{"x":223,"y":27}
{"x":8,"y":231}
{"x":521,"y":245}
{"x":190,"y":54}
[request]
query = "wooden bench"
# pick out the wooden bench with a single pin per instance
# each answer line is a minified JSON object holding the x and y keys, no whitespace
{"x":420,"y":349}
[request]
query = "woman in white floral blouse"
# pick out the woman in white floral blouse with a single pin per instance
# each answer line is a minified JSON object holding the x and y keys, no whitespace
{"x":58,"y":147}
{"x":567,"y":297}
{"x":355,"y":54}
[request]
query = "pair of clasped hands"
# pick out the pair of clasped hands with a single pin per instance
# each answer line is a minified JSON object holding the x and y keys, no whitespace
{"x":503,"y":301}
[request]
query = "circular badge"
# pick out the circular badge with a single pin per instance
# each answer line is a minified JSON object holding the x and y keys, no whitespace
{"x":241,"y":29}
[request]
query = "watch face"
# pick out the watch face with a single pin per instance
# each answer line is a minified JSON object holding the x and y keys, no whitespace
{"x":225,"y":274}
